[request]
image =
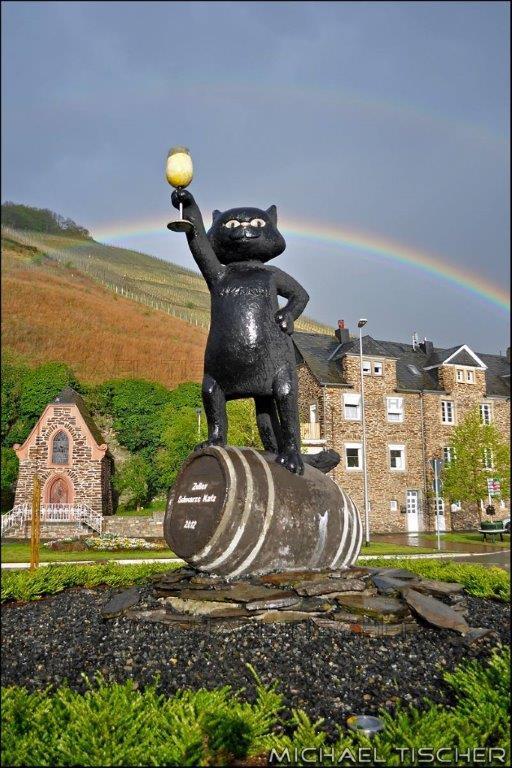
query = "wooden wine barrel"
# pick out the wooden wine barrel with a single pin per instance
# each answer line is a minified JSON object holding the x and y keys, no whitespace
{"x":236,"y":512}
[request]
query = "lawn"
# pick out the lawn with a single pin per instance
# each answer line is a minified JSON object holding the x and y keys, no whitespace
{"x":468,"y":538}
{"x":19,"y":552}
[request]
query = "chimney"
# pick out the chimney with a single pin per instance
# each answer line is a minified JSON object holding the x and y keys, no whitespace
{"x":427,"y":347}
{"x":415,"y":342}
{"x":342,"y":333}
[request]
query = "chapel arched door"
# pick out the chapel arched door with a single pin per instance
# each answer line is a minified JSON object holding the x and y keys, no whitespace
{"x":59,"y":492}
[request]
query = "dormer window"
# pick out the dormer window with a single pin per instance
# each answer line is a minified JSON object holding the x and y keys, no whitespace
{"x":60,"y":448}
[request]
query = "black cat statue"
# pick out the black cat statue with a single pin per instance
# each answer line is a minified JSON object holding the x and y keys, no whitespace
{"x":233,"y":511}
{"x":249,"y":352}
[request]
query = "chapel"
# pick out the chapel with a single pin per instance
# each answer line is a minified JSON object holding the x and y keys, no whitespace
{"x":68,"y":453}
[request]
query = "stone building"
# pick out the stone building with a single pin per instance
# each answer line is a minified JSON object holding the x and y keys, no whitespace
{"x":66,"y":450}
{"x":414,"y":395}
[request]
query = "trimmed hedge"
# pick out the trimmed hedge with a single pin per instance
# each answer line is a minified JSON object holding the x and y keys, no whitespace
{"x":48,"y":580}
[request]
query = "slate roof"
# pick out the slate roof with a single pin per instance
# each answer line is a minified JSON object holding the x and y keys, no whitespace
{"x":315,"y":349}
{"x":68,"y":396}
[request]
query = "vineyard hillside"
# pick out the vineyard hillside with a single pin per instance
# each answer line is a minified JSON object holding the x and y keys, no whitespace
{"x":53,"y":311}
{"x":152,"y":281}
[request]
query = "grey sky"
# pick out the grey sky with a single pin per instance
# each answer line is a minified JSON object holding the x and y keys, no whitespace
{"x":391,"y":119}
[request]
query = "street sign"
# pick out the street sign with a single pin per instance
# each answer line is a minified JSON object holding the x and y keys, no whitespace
{"x":439,"y":486}
{"x":493,"y":487}
{"x":437,"y":465}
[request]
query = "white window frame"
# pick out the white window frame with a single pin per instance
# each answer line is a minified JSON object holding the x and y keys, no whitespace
{"x":359,"y":447}
{"x":456,"y":506}
{"x":401,"y":448}
{"x":470,"y":376}
{"x":460,"y":375}
{"x":377,"y":368}
{"x":486,"y":408}
{"x":439,"y":503}
{"x":356,"y":398}
{"x":399,"y":411}
{"x":444,"y":412}
{"x":393,"y":505}
{"x":367,"y":367}
{"x":448,"y":454}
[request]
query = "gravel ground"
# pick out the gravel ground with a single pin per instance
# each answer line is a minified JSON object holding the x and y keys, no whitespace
{"x":325,"y":672}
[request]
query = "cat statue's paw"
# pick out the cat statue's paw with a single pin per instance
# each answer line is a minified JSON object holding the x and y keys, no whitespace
{"x":183,"y":197}
{"x":292,"y":461}
{"x":207,"y":443}
{"x":284,"y":321}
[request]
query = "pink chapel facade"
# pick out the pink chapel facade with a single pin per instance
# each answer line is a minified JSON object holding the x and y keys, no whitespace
{"x":67,"y":451}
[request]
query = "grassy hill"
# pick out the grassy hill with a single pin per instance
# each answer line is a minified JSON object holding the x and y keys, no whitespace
{"x":155,"y":282}
{"x":51,"y":311}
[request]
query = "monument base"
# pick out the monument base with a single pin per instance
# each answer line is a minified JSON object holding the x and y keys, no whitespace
{"x":235,"y":512}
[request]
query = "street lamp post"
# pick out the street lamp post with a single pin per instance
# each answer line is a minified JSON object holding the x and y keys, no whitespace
{"x":362,"y":322}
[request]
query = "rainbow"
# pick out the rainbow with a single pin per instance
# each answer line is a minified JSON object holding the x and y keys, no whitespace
{"x":373,"y":246}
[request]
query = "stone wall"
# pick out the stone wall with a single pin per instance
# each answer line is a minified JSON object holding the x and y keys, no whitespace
{"x":134,"y":526}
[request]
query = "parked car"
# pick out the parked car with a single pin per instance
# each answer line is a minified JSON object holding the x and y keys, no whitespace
{"x":506,"y":524}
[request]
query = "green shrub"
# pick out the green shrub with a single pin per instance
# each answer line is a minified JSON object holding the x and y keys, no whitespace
{"x":50,"y":579}
{"x":479,"y":580}
{"x":115,"y":724}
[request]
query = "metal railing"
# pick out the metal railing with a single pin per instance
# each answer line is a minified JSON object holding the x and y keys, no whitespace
{"x":54,"y":513}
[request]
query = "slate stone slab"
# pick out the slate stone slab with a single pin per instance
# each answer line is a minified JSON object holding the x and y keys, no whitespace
{"x":387,"y":585}
{"x":396,"y":573}
{"x":329,"y":585}
{"x":273,"y":602}
{"x":383,"y":630}
{"x":384,"y":608}
{"x":435,"y":612}
{"x":120,"y":602}
{"x":339,"y":626}
{"x":438,"y":587}
{"x":475,"y":634}
{"x":356,"y":572}
{"x":205,"y":607}
{"x":283,"y":617}
{"x":316,"y":604}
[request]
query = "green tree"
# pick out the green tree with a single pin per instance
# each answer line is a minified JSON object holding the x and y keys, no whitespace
{"x":186,"y":428}
{"x":133,"y":477}
{"x":12,"y":378}
{"x":137,"y":408}
{"x":9,"y":476}
{"x":474,"y":447}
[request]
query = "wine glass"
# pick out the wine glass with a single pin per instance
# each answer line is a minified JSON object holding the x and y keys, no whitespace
{"x":179,"y":172}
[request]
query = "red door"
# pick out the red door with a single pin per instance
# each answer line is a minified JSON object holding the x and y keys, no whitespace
{"x":59,"y":492}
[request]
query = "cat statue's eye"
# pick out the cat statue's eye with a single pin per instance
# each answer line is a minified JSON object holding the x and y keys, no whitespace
{"x":232,"y":223}
{"x":257,"y":223}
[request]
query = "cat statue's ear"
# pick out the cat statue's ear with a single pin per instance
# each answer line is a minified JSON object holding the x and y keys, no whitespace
{"x":272,"y":214}
{"x":215,"y":215}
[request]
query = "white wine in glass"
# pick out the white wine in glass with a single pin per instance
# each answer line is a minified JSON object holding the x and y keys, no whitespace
{"x":179,"y":172}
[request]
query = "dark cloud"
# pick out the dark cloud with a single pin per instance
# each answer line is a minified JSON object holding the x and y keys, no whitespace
{"x":390,"y":118}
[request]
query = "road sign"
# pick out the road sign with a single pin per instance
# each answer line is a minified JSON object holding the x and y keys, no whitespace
{"x":493,"y":487}
{"x":437,"y":465}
